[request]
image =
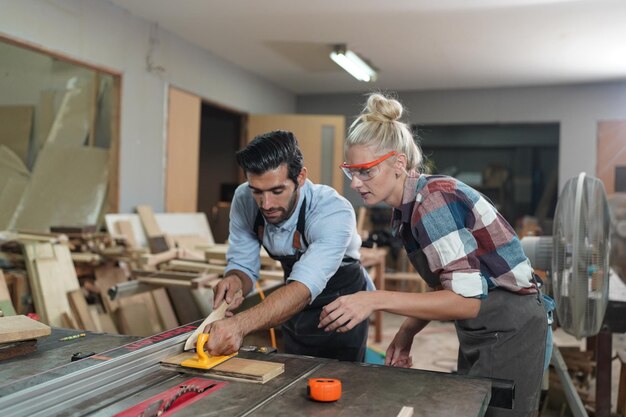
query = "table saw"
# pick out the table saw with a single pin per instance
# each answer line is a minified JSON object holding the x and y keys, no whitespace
{"x":126,"y":371}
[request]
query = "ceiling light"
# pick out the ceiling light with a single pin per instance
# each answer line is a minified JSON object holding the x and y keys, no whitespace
{"x":353,"y":64}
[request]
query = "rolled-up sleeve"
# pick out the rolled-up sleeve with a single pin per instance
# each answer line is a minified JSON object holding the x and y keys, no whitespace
{"x":329,"y":230}
{"x":438,"y":224}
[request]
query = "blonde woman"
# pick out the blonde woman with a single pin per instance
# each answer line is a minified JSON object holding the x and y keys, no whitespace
{"x":461,"y":246}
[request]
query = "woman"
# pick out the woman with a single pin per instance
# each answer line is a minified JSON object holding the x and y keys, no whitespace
{"x":461,"y":246}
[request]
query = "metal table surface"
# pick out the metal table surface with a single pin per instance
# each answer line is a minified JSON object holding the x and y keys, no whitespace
{"x":52,"y":353}
{"x":113,"y":382}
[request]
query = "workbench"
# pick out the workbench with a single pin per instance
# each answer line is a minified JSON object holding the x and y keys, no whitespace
{"x":127,"y":371}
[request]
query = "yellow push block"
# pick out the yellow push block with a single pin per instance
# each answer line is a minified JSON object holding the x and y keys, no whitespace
{"x":202,"y":359}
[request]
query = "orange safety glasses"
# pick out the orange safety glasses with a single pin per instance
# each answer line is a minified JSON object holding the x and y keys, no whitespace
{"x":365,"y":171}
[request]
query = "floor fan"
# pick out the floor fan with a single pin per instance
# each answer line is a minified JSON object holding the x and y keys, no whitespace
{"x":576,"y":258}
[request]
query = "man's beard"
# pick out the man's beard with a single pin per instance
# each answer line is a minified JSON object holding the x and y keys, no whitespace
{"x":286,"y":212}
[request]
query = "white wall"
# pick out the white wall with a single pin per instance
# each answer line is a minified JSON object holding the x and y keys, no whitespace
{"x":578,"y":109}
{"x":99,"y":33}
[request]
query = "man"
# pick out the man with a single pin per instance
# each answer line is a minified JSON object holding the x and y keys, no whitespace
{"x":311,"y":230}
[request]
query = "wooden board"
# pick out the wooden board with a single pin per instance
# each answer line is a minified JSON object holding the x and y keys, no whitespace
{"x":72,"y":122}
{"x":51,"y":274}
{"x":183,"y":147}
{"x":17,"y":328}
{"x":125,"y":228}
{"x":68,"y":186}
{"x":108,"y":276}
{"x":165,"y":309}
{"x":137,"y":315}
{"x":240,"y":369}
{"x":14,"y":178}
{"x":80,"y":310}
{"x":150,"y":226}
{"x":16,"y":123}
{"x":6,"y":305}
{"x":185,"y":224}
{"x":139,"y":236}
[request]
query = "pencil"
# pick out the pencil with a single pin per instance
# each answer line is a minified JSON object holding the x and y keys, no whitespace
{"x":72,"y":337}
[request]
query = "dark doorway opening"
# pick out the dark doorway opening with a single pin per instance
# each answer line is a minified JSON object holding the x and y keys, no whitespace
{"x":220,"y":137}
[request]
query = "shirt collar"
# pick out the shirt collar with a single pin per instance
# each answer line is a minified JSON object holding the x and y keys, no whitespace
{"x":413,"y":183}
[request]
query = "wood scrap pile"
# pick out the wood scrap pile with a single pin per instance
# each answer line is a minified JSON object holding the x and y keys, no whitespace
{"x":148,"y":273}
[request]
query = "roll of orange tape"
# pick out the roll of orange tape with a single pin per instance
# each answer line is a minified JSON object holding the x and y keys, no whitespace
{"x":324,"y":389}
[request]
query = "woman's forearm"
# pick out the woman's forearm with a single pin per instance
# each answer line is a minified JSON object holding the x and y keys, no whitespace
{"x":438,"y":305}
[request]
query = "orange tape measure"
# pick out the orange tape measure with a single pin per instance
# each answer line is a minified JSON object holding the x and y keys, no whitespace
{"x":324,"y":389}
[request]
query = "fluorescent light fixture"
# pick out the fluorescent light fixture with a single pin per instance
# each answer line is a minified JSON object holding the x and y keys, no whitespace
{"x":353,"y":64}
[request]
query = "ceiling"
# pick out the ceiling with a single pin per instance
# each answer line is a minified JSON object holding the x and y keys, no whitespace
{"x":415,"y":44}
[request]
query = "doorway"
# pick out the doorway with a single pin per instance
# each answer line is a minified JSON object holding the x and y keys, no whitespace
{"x":218,"y":173}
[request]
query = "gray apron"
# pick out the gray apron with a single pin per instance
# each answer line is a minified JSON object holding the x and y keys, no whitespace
{"x":507,"y":340}
{"x":302,"y":337}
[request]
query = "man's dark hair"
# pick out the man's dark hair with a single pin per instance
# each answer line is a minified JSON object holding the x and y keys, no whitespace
{"x":270,"y":150}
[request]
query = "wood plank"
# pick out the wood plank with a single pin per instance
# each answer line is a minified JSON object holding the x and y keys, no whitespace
{"x":134,"y":317}
{"x":184,"y":304}
{"x":52,"y":275}
{"x":108,"y":325}
{"x":44,"y":118}
{"x":17,"y":328}
{"x":16,"y":123}
{"x":240,"y":369}
{"x":165,"y":309}
{"x":153,"y":259}
{"x":150,"y":226}
{"x":185,"y":224}
{"x":14,"y":178}
{"x":6,"y":304}
{"x":159,"y":244}
{"x":73,"y":120}
{"x":57,"y":194}
{"x":108,"y":276}
{"x":188,"y":266}
{"x":125,"y":228}
{"x":80,"y":310}
{"x":183,"y":148}
{"x":111,"y":219}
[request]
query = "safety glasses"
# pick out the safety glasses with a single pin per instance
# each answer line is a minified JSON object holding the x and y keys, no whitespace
{"x":365,"y":171}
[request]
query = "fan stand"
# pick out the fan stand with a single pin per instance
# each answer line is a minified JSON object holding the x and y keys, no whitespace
{"x":602,"y":347}
{"x":614,"y":322}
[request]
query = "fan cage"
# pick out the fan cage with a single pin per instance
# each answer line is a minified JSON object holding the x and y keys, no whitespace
{"x":580,"y":264}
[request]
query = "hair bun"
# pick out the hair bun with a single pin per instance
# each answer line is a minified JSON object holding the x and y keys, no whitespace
{"x":382,"y":109}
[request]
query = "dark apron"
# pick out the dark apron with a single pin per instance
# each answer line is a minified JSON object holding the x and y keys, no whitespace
{"x":302,"y":337}
{"x":507,"y":339}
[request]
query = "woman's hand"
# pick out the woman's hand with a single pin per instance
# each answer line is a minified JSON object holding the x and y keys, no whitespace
{"x":346,"y":312}
{"x":398,"y":352}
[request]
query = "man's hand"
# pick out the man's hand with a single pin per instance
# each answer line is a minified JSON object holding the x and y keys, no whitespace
{"x":226,"y":290}
{"x":398,"y":352}
{"x":346,"y":312}
{"x":225,"y":337}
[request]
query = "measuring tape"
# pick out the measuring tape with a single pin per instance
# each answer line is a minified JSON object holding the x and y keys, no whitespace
{"x":324,"y":389}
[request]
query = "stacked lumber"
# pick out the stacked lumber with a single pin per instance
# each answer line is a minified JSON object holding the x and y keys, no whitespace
{"x":147,"y":273}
